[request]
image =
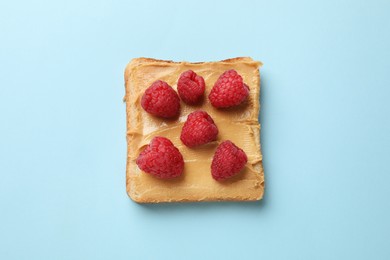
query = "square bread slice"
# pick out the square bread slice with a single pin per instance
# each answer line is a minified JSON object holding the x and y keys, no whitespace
{"x":239,"y":124}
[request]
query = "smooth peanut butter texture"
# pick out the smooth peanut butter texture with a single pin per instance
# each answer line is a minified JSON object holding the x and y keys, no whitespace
{"x":239,"y":124}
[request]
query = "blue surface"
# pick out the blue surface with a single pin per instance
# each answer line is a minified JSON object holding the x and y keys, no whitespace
{"x":325,"y":120}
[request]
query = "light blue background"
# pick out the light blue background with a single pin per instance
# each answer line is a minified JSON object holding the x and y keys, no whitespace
{"x":325,"y":129}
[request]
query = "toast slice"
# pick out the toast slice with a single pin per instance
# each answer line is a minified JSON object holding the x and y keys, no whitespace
{"x":239,"y":124}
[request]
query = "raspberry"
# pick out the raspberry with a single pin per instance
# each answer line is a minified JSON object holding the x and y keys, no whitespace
{"x":161,"y":159}
{"x":191,"y":87}
{"x":228,"y":161}
{"x":229,"y":90}
{"x":161,"y":100}
{"x":198,"y":129}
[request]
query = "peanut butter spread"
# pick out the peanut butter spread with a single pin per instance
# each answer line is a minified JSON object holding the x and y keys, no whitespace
{"x":239,"y":124}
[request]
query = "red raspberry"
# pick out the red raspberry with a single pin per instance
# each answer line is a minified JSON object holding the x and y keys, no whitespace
{"x":229,"y":90}
{"x":228,"y":161}
{"x":191,"y":87}
{"x":198,"y":129}
{"x":160,"y":99}
{"x":161,"y":159}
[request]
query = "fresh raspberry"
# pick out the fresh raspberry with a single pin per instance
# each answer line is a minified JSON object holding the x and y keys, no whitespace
{"x":191,"y":87}
{"x":161,"y":100}
{"x":228,"y":161}
{"x":198,"y":129}
{"x":229,"y":90}
{"x":161,"y":159}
